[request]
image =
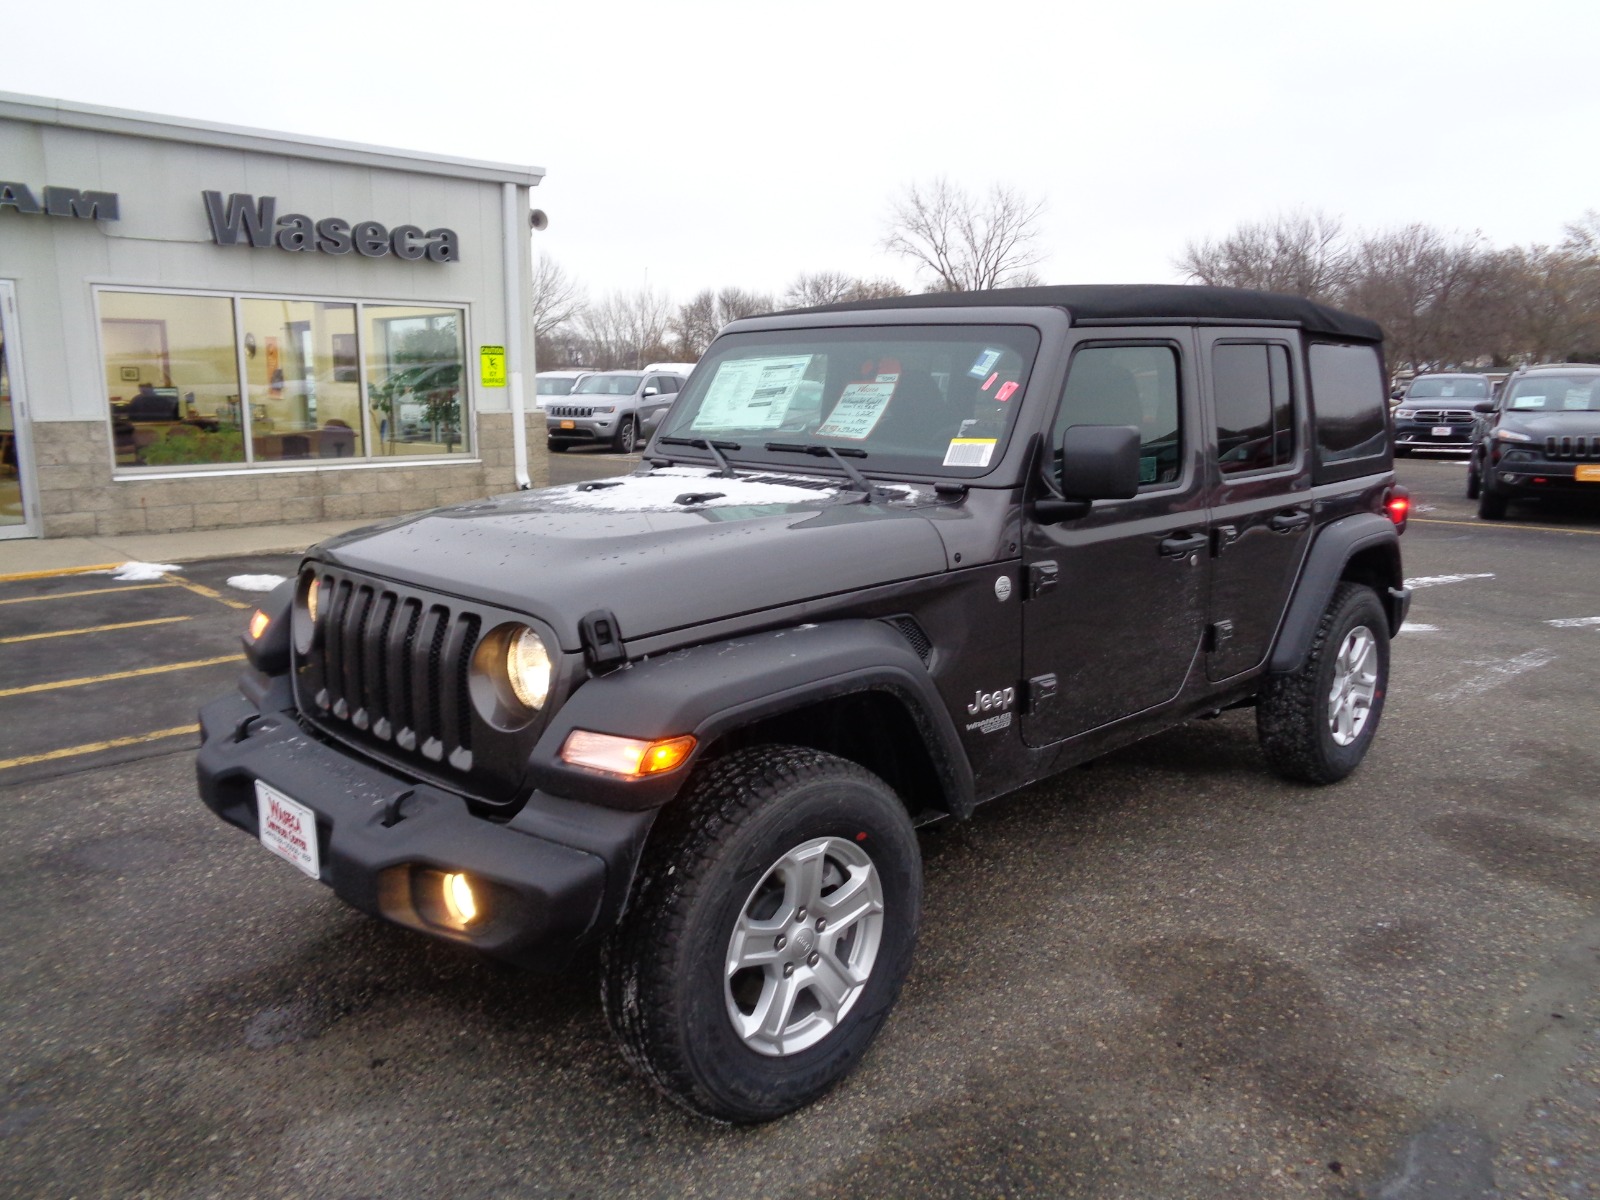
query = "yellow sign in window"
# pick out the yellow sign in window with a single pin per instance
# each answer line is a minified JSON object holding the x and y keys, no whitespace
{"x":492,"y":365}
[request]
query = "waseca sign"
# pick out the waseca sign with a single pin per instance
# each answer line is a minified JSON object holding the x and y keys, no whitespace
{"x":244,"y":219}
{"x":60,"y":202}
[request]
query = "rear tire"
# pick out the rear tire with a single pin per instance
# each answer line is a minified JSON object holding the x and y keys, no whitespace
{"x":1316,"y":724}
{"x":725,"y":982}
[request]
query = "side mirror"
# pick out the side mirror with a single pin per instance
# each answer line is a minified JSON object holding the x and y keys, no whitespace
{"x":1098,"y":462}
{"x":650,"y":391}
{"x":1484,"y":406}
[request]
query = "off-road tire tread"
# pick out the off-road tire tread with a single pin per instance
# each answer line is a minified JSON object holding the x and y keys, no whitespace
{"x":687,"y":838}
{"x":1287,"y":720}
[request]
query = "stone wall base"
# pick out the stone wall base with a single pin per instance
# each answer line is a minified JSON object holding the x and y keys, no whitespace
{"x":78,"y":496}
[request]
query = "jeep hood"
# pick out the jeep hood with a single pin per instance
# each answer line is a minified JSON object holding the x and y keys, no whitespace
{"x":630,"y":546}
{"x":1576,"y":423}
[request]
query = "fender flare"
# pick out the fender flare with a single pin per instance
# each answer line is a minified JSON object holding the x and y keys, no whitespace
{"x":711,"y":689}
{"x":1335,"y":546}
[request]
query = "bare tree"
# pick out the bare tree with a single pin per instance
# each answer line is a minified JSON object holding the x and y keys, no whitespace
{"x":1302,"y":254}
{"x":627,"y":329}
{"x":809,"y":290}
{"x":557,"y":297}
{"x":1417,"y":283}
{"x":961,"y":242}
{"x":698,"y":319}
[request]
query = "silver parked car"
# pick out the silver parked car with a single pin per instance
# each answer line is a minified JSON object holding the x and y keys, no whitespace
{"x":610,"y":406}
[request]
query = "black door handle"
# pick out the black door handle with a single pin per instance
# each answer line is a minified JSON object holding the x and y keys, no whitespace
{"x":1181,"y":545}
{"x":1285,"y":521}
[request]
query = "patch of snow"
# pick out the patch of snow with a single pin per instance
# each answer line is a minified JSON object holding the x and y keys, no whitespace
{"x":1434,"y":580}
{"x":254,"y":583}
{"x":659,"y":491}
{"x":1414,"y":627}
{"x":1574,"y":622}
{"x":1496,"y":673}
{"x":142,"y":572}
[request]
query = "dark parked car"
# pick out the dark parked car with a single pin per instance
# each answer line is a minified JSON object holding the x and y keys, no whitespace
{"x":1540,"y":437}
{"x":884,"y":562}
{"x":1436,"y":413}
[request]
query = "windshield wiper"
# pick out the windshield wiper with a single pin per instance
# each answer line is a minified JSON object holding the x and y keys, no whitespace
{"x":838,"y":456}
{"x":716,"y":449}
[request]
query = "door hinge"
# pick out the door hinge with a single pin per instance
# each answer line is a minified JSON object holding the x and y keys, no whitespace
{"x":1217,"y":633}
{"x":1041,"y":690}
{"x":1222,"y":537}
{"x":1042,"y":578}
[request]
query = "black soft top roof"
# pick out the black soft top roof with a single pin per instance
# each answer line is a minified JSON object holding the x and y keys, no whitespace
{"x":1148,"y":303}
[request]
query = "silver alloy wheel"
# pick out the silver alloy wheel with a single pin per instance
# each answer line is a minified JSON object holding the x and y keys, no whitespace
{"x":1355,"y":685}
{"x":803,"y":946}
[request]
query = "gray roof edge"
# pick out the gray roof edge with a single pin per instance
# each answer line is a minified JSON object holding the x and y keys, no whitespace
{"x":68,"y":114}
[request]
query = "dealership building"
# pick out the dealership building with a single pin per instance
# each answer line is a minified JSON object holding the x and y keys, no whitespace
{"x":205,"y":326}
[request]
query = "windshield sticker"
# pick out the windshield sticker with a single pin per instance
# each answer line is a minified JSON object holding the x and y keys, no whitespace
{"x":1147,"y":470}
{"x":969,"y":452}
{"x":989,"y":382}
{"x":1449,"y":389}
{"x":858,"y":412}
{"x":1528,"y":402}
{"x":893,"y":377}
{"x":1007,"y":390}
{"x":751,"y":393}
{"x":985,"y":363}
{"x":1576,"y":398}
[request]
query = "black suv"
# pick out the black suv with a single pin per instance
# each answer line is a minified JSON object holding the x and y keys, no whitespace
{"x":1437,"y":412}
{"x":884,"y":562}
{"x":1540,"y":437}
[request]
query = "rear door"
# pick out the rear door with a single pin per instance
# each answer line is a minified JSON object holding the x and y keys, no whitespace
{"x":1261,"y":498}
{"x":1115,"y":600}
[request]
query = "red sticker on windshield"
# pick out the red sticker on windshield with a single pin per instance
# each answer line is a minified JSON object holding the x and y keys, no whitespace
{"x":989,"y":382}
{"x":1006,"y":391}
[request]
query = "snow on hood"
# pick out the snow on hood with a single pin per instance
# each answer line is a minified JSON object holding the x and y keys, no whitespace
{"x":659,"y":491}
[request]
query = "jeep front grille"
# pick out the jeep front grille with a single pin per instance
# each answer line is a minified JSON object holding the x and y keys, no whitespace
{"x":570,"y":410}
{"x":1572,"y":447}
{"x":390,"y":670}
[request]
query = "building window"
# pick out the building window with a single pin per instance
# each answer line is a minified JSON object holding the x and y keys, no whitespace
{"x":172,"y":378}
{"x":204,"y":380}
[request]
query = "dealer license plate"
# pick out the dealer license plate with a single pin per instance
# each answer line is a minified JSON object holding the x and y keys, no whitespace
{"x":569,"y":424}
{"x":1442,"y":431}
{"x":288,"y":829}
{"x":1588,"y":473}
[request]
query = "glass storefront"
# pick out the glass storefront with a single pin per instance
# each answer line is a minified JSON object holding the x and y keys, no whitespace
{"x":12,"y":513}
{"x":196,"y":380}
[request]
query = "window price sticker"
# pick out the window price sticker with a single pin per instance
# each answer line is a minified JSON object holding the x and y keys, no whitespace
{"x":860,"y":408}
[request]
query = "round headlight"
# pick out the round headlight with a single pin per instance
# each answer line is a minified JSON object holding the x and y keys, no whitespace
{"x":312,"y":589}
{"x":528,"y":668}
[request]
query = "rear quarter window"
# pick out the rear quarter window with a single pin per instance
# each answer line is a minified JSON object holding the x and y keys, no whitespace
{"x":1348,"y":400}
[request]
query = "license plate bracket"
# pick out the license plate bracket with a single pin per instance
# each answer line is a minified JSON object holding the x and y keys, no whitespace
{"x":1587,"y":473}
{"x":1442,"y":430}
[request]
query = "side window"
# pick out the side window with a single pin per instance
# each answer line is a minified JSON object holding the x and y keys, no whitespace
{"x":1347,"y":396}
{"x":1254,"y":406}
{"x":1127,"y":385}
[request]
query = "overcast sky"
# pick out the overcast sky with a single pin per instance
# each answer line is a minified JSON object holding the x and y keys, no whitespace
{"x":692,"y":144}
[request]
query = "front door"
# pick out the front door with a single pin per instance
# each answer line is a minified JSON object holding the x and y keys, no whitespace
{"x":1115,"y":600}
{"x":18,"y":500}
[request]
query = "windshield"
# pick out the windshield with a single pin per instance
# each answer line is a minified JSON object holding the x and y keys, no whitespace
{"x":554,"y":387}
{"x":936,"y":399}
{"x":607,"y":385}
{"x":1448,"y":387}
{"x":1556,"y":393}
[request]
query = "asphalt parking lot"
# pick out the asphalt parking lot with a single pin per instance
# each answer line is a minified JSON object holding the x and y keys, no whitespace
{"x":1166,"y":975}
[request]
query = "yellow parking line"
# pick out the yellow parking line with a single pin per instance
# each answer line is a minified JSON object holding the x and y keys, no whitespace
{"x":55,"y":633}
{"x":200,"y":589}
{"x":138,"y":587}
{"x":1504,"y":525}
{"x":73,"y":751}
{"x":66,"y":683}
{"x":16,"y":575}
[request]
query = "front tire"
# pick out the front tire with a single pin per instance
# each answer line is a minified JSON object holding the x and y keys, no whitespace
{"x":772,"y":922}
{"x":1473,"y":485}
{"x":1316,"y":724}
{"x":627,"y":436}
{"x":1492,"y":504}
{"x":558,"y":447}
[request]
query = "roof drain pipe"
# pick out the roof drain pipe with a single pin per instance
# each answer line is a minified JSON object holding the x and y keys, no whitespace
{"x":516,"y":252}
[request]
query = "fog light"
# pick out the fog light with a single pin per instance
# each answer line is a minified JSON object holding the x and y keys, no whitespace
{"x":625,"y":756}
{"x":459,"y":901}
{"x":258,"y":624}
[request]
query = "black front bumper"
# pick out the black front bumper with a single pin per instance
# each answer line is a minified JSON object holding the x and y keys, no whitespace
{"x":554,"y":875}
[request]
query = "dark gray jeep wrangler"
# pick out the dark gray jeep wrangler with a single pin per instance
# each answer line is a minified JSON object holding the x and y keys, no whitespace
{"x":883,"y":562}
